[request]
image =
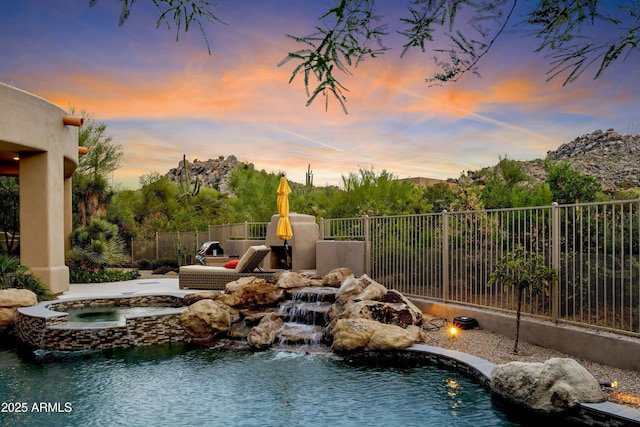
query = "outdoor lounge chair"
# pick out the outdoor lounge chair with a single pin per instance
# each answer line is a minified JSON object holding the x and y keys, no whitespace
{"x":205,"y":277}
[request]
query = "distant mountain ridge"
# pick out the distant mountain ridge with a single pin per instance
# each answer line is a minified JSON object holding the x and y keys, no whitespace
{"x":610,"y":157}
{"x":613,"y":159}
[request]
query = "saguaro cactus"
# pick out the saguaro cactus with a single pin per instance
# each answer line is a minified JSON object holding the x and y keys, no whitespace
{"x":185,"y":182}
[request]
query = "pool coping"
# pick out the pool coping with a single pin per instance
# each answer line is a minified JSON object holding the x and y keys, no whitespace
{"x":482,"y":368}
{"x":42,"y":308}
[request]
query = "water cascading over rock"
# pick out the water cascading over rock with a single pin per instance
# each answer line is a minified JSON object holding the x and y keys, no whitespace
{"x":306,"y":313}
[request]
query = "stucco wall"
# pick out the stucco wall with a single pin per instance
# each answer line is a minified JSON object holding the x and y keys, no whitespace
{"x":32,"y":128}
{"x":332,"y":254}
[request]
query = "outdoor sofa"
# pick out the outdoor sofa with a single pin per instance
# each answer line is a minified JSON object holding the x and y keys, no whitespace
{"x":205,"y":277}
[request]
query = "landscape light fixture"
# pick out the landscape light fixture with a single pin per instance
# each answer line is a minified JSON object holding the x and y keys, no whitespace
{"x":609,"y":384}
{"x":453,"y":332}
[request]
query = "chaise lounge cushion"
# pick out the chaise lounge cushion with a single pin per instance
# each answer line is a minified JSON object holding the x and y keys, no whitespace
{"x":206,"y":277}
{"x":251,"y":259}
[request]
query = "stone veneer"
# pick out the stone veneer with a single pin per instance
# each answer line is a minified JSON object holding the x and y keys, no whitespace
{"x":45,"y":326}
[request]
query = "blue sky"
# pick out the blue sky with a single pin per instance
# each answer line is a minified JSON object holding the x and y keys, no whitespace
{"x":161,"y":99}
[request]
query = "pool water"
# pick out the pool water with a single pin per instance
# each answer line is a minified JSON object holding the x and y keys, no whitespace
{"x":178,"y":385}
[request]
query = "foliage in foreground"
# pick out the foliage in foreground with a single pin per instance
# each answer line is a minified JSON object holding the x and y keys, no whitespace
{"x":14,"y":275}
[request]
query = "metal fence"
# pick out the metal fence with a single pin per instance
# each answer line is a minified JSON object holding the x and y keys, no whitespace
{"x":595,"y":248}
{"x":182,"y":245}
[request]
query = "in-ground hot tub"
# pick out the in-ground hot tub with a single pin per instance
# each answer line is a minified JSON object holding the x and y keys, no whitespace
{"x":102,"y":323}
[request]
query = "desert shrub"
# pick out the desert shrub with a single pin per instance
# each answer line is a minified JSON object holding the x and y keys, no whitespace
{"x":96,"y":247}
{"x":164,"y":269}
{"x":102,"y":276}
{"x":14,"y":275}
{"x":144,"y":264}
{"x":171,"y":263}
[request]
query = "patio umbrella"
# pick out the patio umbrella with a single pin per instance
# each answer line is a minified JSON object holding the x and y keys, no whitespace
{"x":283,"y":230}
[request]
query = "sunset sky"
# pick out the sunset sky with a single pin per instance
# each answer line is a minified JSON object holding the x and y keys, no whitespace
{"x":161,"y":99}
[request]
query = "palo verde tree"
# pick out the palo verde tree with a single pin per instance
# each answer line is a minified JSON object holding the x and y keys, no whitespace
{"x":524,"y":270}
{"x":576,"y":35}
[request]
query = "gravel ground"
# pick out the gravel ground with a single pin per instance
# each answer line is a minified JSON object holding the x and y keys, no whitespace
{"x":498,"y":349}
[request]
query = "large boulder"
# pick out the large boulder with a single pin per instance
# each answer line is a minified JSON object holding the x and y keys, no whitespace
{"x":291,"y":279}
{"x":373,"y":291}
{"x":10,"y":300}
{"x":252,"y":293}
{"x":397,"y":314}
{"x":365,"y":334}
{"x":205,"y":319}
{"x":335,"y":277}
{"x":553,"y":386}
{"x":266,"y":333}
{"x":190,"y":299}
{"x":7,"y":316}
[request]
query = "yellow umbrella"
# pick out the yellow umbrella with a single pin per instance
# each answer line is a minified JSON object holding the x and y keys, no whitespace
{"x":283,"y":230}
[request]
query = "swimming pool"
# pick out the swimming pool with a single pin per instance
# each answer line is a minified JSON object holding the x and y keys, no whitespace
{"x":180,"y":385}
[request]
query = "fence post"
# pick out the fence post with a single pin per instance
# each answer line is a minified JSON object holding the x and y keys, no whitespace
{"x":157,"y":253}
{"x":445,"y":256}
{"x":132,"y":261}
{"x":367,"y":245}
{"x":555,"y":260}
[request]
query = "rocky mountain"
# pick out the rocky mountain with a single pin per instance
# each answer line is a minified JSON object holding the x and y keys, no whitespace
{"x":211,"y":173}
{"x":612,"y":158}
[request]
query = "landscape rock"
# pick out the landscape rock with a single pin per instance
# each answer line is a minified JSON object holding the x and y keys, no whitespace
{"x":553,"y":386}
{"x":10,"y":300}
{"x":291,"y":279}
{"x":190,"y":299}
{"x":236,"y":284}
{"x":265,"y":334}
{"x":335,"y":277}
{"x":396,"y":314}
{"x":374,"y":291}
{"x":206,"y":318}
{"x":252,"y":293}
{"x":13,"y":297}
{"x":7,"y":316}
{"x":364,"y":334}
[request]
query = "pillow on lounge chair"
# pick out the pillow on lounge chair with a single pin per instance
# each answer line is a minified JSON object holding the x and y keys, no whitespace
{"x":231,"y":264}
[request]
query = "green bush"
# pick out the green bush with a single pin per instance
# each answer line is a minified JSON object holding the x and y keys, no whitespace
{"x":164,"y":269}
{"x":166,"y":262}
{"x":144,"y":264}
{"x":102,"y":276}
{"x":96,"y":247}
{"x":14,"y":275}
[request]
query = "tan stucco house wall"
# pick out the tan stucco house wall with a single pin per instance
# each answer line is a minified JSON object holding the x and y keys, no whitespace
{"x":43,"y":151}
